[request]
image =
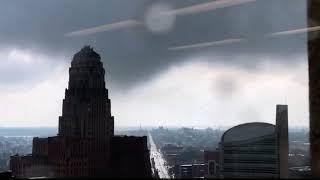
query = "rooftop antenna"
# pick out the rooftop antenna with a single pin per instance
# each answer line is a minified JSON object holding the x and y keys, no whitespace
{"x":94,"y":40}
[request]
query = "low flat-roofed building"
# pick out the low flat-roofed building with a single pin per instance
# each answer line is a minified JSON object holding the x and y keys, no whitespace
{"x":130,"y":157}
{"x":193,"y":171}
{"x":212,"y":158}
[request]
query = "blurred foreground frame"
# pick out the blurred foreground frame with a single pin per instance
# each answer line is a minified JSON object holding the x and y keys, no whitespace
{"x":314,"y":85}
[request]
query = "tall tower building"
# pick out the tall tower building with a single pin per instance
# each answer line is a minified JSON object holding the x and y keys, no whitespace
{"x":282,"y":133}
{"x":85,"y":145}
{"x":86,"y":111}
{"x":86,"y":116}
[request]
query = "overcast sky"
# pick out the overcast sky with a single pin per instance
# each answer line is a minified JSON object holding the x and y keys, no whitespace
{"x":198,"y":66}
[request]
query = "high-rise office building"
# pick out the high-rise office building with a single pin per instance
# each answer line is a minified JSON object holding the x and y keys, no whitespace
{"x":256,"y":150}
{"x":85,"y":145}
{"x":283,"y":141}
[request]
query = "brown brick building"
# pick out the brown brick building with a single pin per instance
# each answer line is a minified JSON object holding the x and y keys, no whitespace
{"x":85,"y":145}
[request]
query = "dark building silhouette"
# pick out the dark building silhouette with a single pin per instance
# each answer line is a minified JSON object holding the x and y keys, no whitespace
{"x":85,"y":145}
{"x":314,"y":85}
{"x":6,"y":175}
{"x":129,"y":156}
{"x":283,"y":139}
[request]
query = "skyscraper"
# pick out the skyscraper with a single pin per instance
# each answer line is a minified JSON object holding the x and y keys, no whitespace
{"x":257,"y":149}
{"x":250,"y":150}
{"x":86,"y":111}
{"x":283,"y":141}
{"x":85,"y":145}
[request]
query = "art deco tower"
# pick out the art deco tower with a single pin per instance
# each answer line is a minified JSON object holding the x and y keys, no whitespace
{"x":86,"y":108}
{"x":85,"y":145}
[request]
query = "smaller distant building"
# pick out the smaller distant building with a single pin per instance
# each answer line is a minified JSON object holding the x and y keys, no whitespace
{"x":212,"y":159}
{"x":171,"y":148}
{"x":172,"y":153}
{"x":185,"y":171}
{"x":30,"y":166}
{"x":130,"y":158}
{"x":208,"y":168}
{"x":172,"y":158}
{"x":193,"y":170}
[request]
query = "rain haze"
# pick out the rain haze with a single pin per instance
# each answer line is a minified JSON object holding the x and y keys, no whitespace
{"x":168,"y":63}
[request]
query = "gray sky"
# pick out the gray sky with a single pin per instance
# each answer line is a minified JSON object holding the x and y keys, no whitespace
{"x":149,"y":82}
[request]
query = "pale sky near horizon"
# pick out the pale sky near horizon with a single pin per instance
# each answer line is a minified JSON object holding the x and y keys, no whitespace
{"x":149,"y":84}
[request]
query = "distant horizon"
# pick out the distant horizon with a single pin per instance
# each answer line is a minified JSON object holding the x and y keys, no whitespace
{"x":125,"y":127}
{"x":51,"y":131}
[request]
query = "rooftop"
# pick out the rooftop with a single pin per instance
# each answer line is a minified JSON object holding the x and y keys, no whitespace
{"x":248,"y":131}
{"x":86,"y":54}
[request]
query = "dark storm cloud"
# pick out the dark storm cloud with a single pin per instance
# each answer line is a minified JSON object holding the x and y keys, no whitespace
{"x":133,"y":55}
